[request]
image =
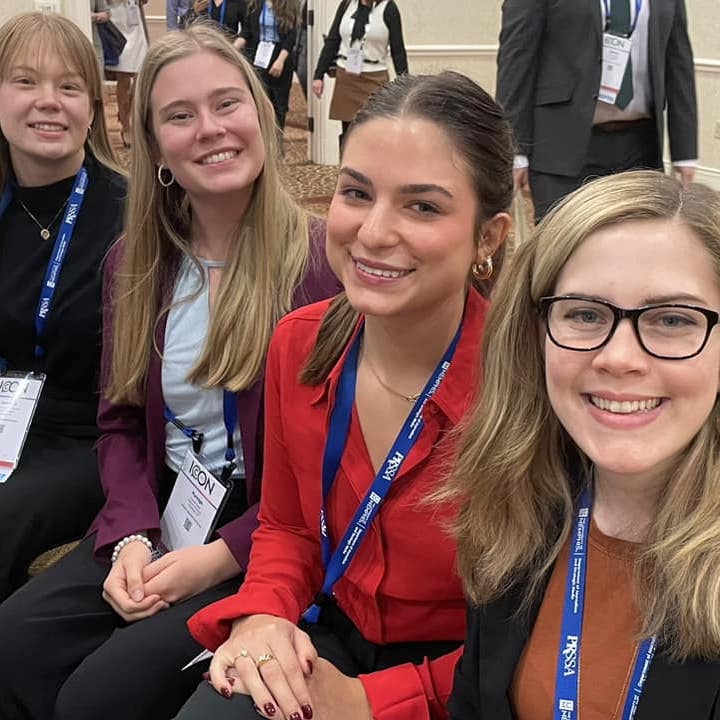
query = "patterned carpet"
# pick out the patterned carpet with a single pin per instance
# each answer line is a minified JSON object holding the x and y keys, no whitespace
{"x":311,"y":184}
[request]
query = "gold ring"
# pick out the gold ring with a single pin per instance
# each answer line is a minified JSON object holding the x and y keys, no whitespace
{"x":243,"y":654}
{"x":264,"y":658}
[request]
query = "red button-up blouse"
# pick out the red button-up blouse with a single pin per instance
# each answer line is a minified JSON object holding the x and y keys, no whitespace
{"x":402,"y":585}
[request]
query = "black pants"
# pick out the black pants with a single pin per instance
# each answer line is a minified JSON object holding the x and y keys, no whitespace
{"x":50,"y":499}
{"x":632,"y":148}
{"x":68,"y":656}
{"x":337,"y":640}
{"x":278,"y":90}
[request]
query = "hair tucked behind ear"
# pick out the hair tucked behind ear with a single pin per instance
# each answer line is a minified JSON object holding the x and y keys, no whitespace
{"x":481,"y":136}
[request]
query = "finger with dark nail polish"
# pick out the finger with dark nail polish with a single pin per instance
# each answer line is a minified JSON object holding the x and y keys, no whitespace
{"x":226,"y":692}
{"x":307,"y":712}
{"x":206,"y":676}
{"x":269,"y":709}
{"x":231,"y":680}
{"x":295,"y":716}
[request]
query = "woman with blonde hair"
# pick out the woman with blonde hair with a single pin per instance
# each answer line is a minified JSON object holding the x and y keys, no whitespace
{"x":589,"y":535}
{"x":61,"y":206}
{"x":214,"y":254}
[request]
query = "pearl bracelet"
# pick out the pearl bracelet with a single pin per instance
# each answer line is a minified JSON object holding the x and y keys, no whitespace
{"x":126,"y":541}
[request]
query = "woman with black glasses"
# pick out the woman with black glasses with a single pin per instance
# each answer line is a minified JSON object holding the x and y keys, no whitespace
{"x":589,"y":539}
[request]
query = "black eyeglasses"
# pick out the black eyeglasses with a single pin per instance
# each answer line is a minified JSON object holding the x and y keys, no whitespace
{"x":667,"y":331}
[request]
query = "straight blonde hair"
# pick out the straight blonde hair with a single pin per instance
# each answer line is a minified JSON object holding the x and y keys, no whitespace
{"x":54,"y":34}
{"x":265,"y":264}
{"x":518,"y":473}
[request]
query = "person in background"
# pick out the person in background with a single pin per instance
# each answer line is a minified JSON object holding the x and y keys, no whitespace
{"x":129,"y":17}
{"x":300,"y":52}
{"x":174,"y":10}
{"x":582,"y":110}
{"x":362,"y":395}
{"x":226,"y":15}
{"x":99,"y":13}
{"x":62,"y":199}
{"x":588,"y":540}
{"x":215,"y":252}
{"x":268,"y":40}
{"x":357,"y":46}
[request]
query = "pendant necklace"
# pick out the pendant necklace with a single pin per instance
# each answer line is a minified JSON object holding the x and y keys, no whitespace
{"x":44,"y":231}
{"x":408,"y":398}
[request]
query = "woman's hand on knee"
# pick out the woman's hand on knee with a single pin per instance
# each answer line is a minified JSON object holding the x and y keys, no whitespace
{"x":124,"y":589}
{"x":270,"y":659}
{"x":335,"y":695}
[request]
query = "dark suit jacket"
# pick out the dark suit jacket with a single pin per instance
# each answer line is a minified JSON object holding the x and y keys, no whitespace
{"x":131,"y":449}
{"x":549,"y":67}
{"x":496,"y":637}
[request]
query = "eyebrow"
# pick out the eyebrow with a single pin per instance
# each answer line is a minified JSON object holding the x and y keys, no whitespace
{"x":26,"y":68}
{"x":667,"y":299}
{"x":413,"y":189}
{"x":214,"y":93}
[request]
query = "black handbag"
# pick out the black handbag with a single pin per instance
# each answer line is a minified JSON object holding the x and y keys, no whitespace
{"x":113,"y":42}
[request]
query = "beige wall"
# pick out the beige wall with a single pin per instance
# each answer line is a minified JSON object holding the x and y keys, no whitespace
{"x":77,"y":10}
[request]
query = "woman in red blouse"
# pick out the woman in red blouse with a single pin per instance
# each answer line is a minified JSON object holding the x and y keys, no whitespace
{"x":361,"y":394}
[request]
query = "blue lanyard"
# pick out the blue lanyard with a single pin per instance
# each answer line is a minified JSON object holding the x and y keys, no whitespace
{"x":263,"y":26}
{"x":337,"y":563}
{"x":57,"y":258}
{"x":230,"y":418}
{"x":608,"y":15}
{"x":567,"y":684}
{"x":223,"y":7}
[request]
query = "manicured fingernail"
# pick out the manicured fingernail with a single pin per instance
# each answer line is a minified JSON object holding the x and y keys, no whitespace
{"x":269,"y":709}
{"x":231,"y":680}
{"x":206,"y":676}
{"x":295,"y":716}
{"x":307,"y":712}
{"x":226,"y":692}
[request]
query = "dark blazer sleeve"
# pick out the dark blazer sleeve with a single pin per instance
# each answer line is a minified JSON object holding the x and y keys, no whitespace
{"x":332,"y":44}
{"x":464,"y":703}
{"x":521,"y":36}
{"x":130,"y":503}
{"x":680,"y":93}
{"x":391,"y":16}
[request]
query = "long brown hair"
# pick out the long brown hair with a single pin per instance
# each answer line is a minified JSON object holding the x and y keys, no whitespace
{"x":266,"y":261}
{"x":56,"y":34}
{"x":480,"y":134}
{"x":515,"y":477}
{"x":287,"y":12}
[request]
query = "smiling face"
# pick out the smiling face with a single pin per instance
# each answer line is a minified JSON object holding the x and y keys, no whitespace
{"x":206,"y":128}
{"x":401,"y":232}
{"x":631,"y":413}
{"x":45,"y":112}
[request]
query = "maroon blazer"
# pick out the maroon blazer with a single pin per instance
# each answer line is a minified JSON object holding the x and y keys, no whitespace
{"x":131,"y":448}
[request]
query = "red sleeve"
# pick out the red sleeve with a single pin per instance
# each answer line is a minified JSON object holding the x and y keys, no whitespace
{"x":130,"y":504}
{"x":285,"y":563}
{"x":407,"y":691}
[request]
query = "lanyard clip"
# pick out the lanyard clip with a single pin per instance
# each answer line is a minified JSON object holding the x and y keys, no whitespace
{"x":197,"y":441}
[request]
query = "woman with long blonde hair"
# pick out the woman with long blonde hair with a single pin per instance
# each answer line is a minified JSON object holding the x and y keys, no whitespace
{"x":62,"y":201}
{"x":215,"y":253}
{"x":588,"y":475}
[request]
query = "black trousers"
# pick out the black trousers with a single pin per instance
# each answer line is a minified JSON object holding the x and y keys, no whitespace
{"x":337,"y":640}
{"x":50,"y":499}
{"x":68,"y":656}
{"x":633,"y":148}
{"x":278,"y":90}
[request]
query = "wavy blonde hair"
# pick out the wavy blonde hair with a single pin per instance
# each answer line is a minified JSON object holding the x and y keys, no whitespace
{"x":56,"y":34}
{"x":517,"y":469}
{"x":265,"y":264}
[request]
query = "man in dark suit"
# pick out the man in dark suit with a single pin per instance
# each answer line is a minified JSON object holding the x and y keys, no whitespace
{"x":579,"y":107}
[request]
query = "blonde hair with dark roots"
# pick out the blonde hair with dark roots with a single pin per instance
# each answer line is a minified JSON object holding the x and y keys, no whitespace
{"x":513,"y":477}
{"x":265,"y":264}
{"x":53,"y":33}
{"x":287,"y":12}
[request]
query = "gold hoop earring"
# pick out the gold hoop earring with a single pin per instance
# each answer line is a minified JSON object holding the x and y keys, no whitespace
{"x":484,"y":270}
{"x":165,"y":183}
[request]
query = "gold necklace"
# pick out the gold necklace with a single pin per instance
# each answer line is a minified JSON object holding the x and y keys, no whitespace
{"x":412,"y":399}
{"x":44,"y":231}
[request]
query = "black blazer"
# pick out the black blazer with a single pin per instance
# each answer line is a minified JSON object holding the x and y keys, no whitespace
{"x":496,"y":637}
{"x":549,"y":66}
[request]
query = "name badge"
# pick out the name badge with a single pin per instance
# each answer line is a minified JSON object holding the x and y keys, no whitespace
{"x":263,"y":54}
{"x":19,"y":395}
{"x":133,"y":15}
{"x":195,"y":504}
{"x":616,"y":54}
{"x":354,"y":61}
